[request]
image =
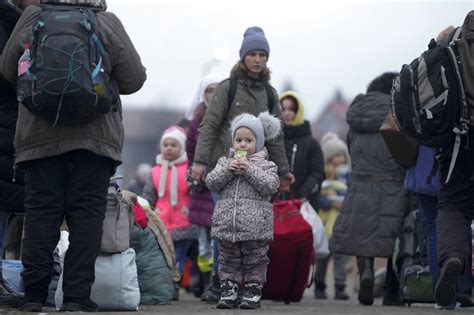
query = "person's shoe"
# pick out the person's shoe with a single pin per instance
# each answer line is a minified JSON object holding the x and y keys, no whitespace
{"x":229,"y":295}
{"x":464,"y":300}
{"x":252,"y":296}
{"x":450,"y":307}
{"x":341,"y":293}
{"x":445,"y":290}
{"x":6,"y":297}
{"x":212,"y":293}
{"x":30,"y":305}
{"x":392,"y":301}
{"x":366,"y":271}
{"x":79,"y":305}
{"x":320,"y":294}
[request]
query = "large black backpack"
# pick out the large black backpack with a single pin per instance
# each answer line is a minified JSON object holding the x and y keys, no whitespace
{"x":65,"y":82}
{"x":428,"y":99}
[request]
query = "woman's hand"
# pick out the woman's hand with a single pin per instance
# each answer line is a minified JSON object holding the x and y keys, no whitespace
{"x":286,"y":181}
{"x":198,"y":172}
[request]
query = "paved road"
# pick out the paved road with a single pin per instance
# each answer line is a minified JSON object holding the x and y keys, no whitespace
{"x":190,"y":305}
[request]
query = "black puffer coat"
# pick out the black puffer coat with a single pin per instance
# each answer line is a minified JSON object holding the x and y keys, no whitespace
{"x":373,"y":210}
{"x":306,"y":162}
{"x":11,"y":193}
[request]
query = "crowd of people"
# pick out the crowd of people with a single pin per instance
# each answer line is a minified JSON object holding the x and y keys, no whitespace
{"x":213,"y":183}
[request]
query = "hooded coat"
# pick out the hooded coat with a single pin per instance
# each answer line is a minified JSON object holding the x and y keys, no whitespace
{"x":372,"y":213}
{"x":304,"y":156}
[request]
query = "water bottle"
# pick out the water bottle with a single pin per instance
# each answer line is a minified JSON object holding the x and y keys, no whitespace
{"x":24,"y":61}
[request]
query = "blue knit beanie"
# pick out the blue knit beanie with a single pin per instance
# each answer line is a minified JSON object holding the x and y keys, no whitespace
{"x":254,"y":39}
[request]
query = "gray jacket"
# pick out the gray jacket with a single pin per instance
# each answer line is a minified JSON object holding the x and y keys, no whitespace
{"x":243,"y":212}
{"x":34,"y":138}
{"x":372,"y":214}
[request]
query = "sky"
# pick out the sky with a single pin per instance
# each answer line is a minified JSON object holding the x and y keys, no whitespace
{"x":320,"y":46}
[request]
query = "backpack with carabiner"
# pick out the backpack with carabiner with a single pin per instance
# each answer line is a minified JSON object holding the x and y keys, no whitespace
{"x":64,"y":82}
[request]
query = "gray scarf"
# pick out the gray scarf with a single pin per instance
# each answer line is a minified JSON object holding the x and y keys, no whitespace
{"x":165,"y":165}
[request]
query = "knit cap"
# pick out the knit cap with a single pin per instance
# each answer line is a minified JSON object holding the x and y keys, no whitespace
{"x":177,"y":133}
{"x":254,"y":39}
{"x":331,"y":145}
{"x":264,"y":127}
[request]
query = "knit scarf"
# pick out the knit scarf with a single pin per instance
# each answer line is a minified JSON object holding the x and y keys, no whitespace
{"x":165,"y":165}
{"x":258,"y":156}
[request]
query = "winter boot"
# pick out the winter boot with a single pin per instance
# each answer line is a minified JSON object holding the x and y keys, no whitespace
{"x":366,"y":273}
{"x":229,"y":295}
{"x":213,"y":291}
{"x":341,"y":292}
{"x":252,"y":296}
{"x":445,"y":290}
{"x":320,"y":291}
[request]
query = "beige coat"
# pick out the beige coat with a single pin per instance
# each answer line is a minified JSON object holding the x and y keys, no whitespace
{"x":37,"y":139}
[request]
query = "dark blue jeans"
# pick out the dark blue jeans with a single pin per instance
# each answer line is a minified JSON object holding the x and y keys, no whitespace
{"x":428,"y":205}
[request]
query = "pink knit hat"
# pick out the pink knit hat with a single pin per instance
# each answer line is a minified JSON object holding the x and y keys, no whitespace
{"x":177,"y":133}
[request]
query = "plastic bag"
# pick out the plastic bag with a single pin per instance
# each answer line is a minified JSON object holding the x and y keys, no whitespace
{"x":320,"y":240}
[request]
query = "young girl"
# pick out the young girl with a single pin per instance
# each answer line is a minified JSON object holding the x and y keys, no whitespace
{"x":167,"y":190}
{"x":243,"y":218}
{"x":334,"y":189}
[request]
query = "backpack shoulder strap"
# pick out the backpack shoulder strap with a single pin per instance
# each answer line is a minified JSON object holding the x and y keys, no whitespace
{"x":232,"y":90}
{"x":270,"y":97}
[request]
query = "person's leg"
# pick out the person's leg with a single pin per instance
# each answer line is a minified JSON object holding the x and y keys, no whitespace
{"x":320,"y":278}
{"x":340,"y":276}
{"x":45,"y":197}
{"x":230,"y":273}
{"x":254,"y":263}
{"x":465,"y":281}
{"x":455,"y":208}
{"x":87,"y":183}
{"x":6,"y":298}
{"x":3,"y":229}
{"x":366,"y":275}
{"x":391,"y":295}
{"x":428,"y":206}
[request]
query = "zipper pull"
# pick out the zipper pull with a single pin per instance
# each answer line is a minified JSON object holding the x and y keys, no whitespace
{"x":14,"y":173}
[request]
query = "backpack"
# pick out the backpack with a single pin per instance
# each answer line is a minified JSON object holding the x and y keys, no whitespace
{"x":233,"y":90}
{"x":65,"y":82}
{"x":428,"y":99}
{"x":416,"y":284}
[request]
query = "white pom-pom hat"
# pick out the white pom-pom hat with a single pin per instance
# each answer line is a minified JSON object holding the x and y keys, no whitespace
{"x":265,"y":127}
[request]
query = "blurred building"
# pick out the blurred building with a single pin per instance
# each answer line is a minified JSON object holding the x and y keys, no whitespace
{"x":143,"y":130}
{"x":332,"y":117}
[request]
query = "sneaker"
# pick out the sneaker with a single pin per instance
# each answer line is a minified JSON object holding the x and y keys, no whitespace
{"x":252,"y":296}
{"x":229,"y":295}
{"x":79,"y":305}
{"x":445,"y":290}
